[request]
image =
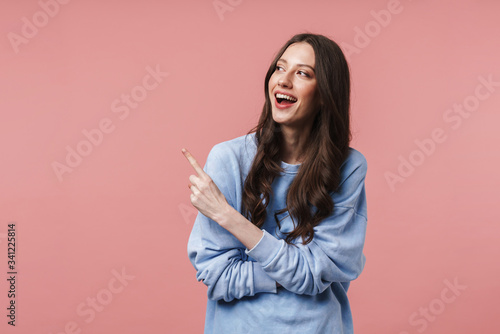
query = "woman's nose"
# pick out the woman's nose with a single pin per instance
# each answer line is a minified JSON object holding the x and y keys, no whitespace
{"x":284,"y":82}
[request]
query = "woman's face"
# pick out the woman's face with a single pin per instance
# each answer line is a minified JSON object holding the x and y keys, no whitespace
{"x":294,"y":77}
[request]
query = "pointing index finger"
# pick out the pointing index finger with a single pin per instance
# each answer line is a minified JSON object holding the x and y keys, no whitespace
{"x":193,"y":162}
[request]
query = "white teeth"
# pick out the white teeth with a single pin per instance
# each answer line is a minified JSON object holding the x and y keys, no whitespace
{"x":283,"y":96}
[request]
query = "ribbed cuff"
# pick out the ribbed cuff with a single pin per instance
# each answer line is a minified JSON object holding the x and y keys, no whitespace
{"x":266,"y":249}
{"x":262,"y":281}
{"x":247,"y":250}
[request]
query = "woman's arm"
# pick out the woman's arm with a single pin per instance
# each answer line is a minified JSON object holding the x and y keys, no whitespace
{"x":218,"y":257}
{"x":221,"y":263}
{"x":234,"y":222}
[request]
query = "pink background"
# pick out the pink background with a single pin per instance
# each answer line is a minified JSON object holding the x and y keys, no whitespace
{"x":125,"y":205}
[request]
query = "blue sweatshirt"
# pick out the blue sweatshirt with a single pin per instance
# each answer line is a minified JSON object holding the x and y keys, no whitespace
{"x":242,"y":292}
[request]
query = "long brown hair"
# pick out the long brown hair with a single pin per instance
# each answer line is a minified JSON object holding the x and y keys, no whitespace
{"x":327,"y":146}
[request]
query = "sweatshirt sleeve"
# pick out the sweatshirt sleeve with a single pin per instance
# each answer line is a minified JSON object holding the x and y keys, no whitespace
{"x":218,"y":257}
{"x":336,"y":252}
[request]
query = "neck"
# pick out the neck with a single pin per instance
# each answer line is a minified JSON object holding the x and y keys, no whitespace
{"x":293,"y":144}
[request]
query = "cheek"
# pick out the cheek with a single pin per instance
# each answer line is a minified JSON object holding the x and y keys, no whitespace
{"x":309,"y":93}
{"x":271,"y":84}
{"x":272,"y":81}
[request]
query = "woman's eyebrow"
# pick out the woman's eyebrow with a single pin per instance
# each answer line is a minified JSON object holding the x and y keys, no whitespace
{"x":283,"y":60}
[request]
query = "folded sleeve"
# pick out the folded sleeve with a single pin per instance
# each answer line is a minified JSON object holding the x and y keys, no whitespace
{"x":335,"y":253}
{"x":218,"y":257}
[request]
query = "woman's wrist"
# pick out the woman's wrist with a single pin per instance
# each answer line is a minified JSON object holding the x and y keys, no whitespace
{"x":239,"y":226}
{"x":225,"y":216}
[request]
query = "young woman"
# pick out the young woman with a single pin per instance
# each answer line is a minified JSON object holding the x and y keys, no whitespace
{"x":282,"y":210}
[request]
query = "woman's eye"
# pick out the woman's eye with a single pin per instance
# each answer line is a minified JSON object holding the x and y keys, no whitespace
{"x":279,"y":68}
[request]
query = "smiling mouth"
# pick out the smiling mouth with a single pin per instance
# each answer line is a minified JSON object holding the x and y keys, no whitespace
{"x":283,"y":99}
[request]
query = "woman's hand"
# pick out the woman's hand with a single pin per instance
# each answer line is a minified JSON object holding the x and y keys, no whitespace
{"x":206,"y":196}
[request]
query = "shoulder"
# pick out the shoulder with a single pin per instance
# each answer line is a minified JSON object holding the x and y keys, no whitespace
{"x":352,"y":179}
{"x":355,"y":161}
{"x":236,"y":149}
{"x":228,"y":163}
